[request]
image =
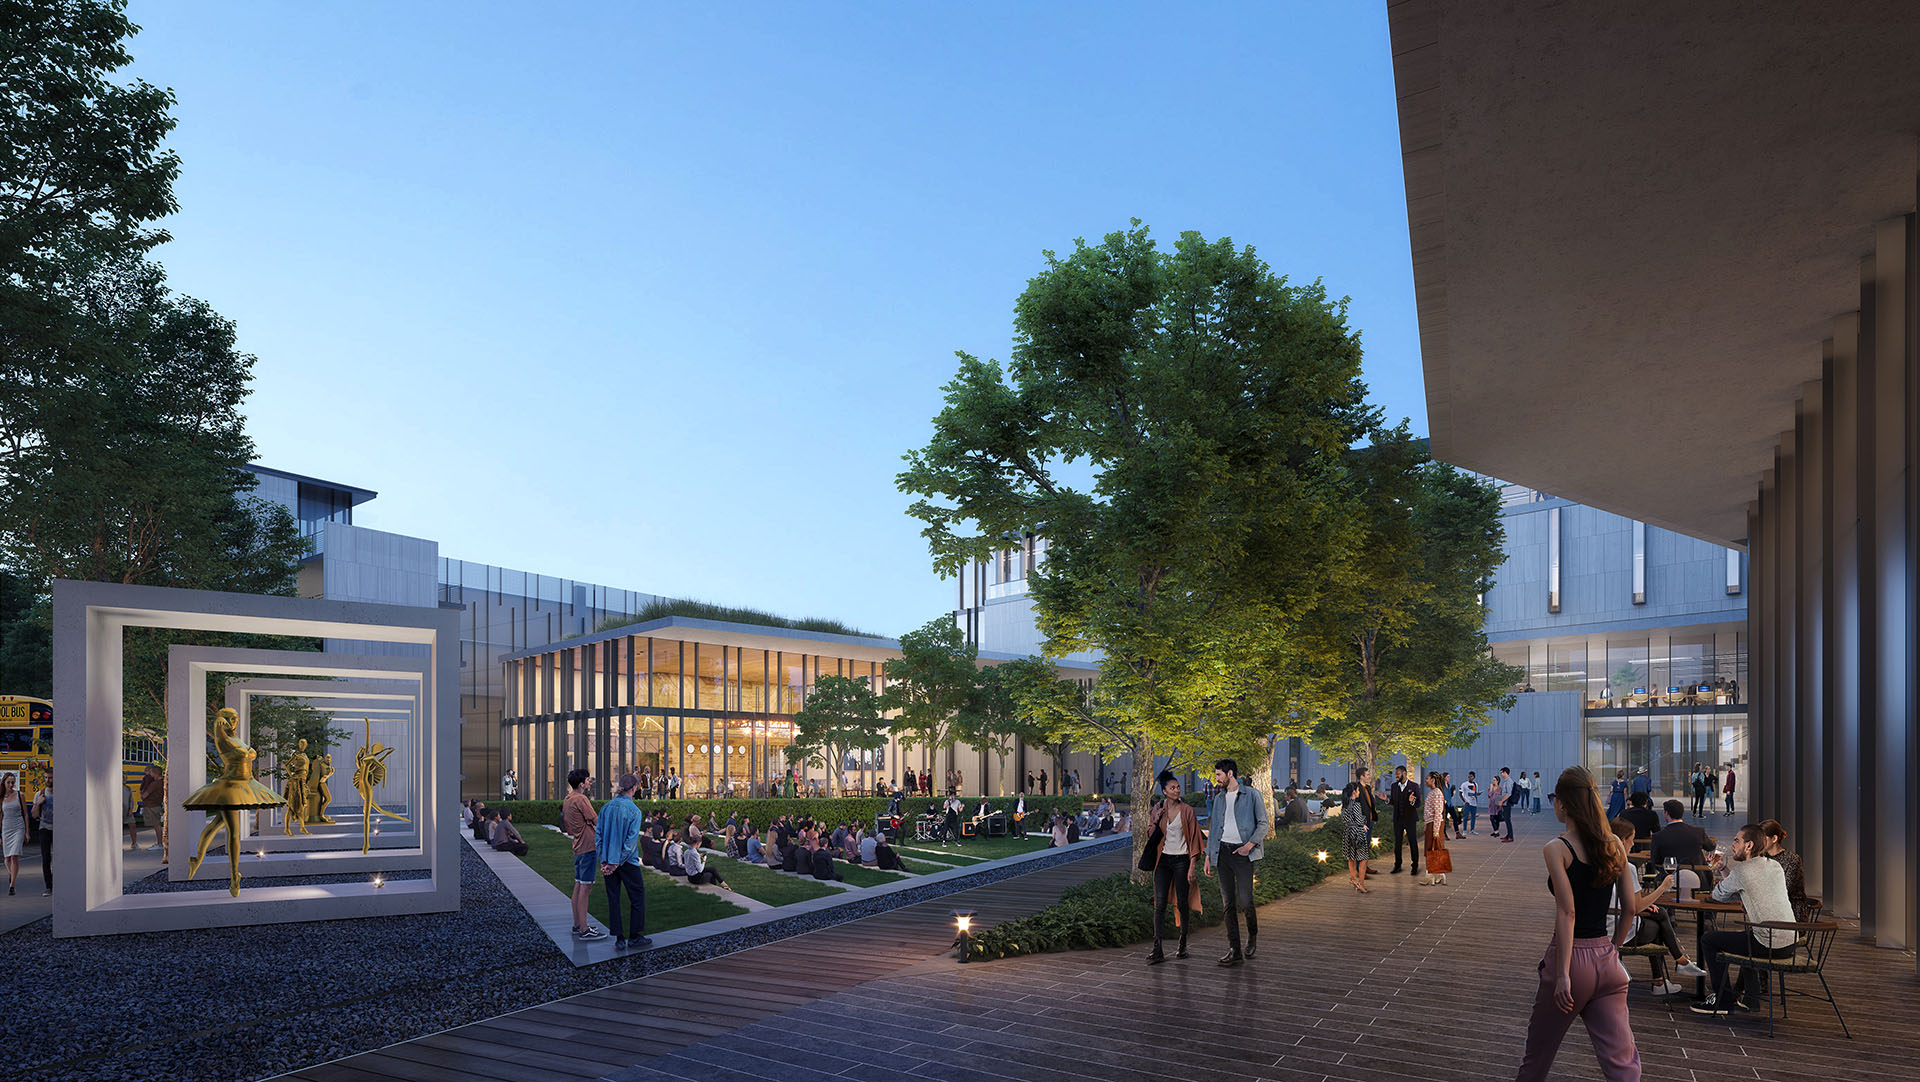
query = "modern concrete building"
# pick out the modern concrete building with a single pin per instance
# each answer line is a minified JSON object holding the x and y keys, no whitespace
{"x":550,"y":677}
{"x":1667,"y":267}
{"x":1631,"y":643}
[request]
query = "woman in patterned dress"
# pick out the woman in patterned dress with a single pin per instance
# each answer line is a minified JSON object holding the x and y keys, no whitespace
{"x":1356,"y":812}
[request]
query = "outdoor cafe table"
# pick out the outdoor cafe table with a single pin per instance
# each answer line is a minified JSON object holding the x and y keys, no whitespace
{"x":1705,"y":911}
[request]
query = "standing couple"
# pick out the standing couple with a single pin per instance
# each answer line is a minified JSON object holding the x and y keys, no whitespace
{"x":1240,"y":824}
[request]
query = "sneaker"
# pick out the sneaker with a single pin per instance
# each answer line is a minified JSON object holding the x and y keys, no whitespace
{"x":1689,"y":969}
{"x":640,"y":942}
{"x":47,"y":893}
{"x":589,"y":933}
{"x":1711,"y":1005}
{"x":153,"y":849}
{"x":1665,"y":988}
{"x":621,"y":944}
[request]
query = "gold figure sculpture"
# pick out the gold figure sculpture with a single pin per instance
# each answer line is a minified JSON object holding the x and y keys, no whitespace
{"x":318,"y":794}
{"x":225,"y":797}
{"x":294,"y":772}
{"x":369,"y":770}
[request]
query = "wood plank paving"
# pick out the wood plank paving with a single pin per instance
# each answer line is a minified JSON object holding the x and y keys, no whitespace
{"x":597,"y":1033}
{"x":1408,"y":982}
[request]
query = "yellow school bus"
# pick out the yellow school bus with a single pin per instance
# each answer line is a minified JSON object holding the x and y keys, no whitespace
{"x":26,"y":745}
{"x":26,"y":740}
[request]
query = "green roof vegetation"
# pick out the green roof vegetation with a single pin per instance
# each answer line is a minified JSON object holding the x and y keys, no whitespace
{"x":707,"y":610}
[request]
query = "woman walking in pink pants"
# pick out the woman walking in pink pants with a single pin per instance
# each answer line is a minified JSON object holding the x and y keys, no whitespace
{"x":1581,"y":974}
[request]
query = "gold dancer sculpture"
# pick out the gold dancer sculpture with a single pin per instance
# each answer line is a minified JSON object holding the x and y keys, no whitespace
{"x":294,"y":771}
{"x":369,"y":770}
{"x":225,"y":797}
{"x":318,"y":793}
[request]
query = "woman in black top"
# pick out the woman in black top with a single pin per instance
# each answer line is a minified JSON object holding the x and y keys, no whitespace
{"x":1581,"y":973}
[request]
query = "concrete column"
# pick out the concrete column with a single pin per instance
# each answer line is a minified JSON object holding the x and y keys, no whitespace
{"x":1786,"y":667}
{"x":1839,"y":885}
{"x":1763,"y":644}
{"x":1889,"y":648}
{"x":1806,"y":776}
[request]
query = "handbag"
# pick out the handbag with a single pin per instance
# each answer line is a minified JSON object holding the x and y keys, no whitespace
{"x":1151,"y":854}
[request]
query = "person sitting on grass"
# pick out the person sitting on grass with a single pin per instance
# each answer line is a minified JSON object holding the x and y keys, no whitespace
{"x":820,"y":860}
{"x":790,"y":856}
{"x":1059,"y":830}
{"x":696,"y":834}
{"x":850,"y":849}
{"x":755,"y":852}
{"x":480,"y":824}
{"x":675,"y":854}
{"x":698,"y":873}
{"x":869,"y":849}
{"x":504,"y":838}
{"x":652,"y":852}
{"x":884,"y":858}
{"x":1105,"y":815}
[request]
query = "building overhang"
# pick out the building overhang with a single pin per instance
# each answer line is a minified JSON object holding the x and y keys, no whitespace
{"x":1632,"y":226}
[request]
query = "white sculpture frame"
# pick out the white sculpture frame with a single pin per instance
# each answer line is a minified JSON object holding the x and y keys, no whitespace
{"x":89,"y":622}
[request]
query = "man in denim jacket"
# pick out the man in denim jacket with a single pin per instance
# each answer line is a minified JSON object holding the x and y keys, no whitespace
{"x":1237,"y":823}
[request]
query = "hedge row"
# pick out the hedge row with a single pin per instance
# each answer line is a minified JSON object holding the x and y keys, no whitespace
{"x":764,"y":810}
{"x":1115,"y":912}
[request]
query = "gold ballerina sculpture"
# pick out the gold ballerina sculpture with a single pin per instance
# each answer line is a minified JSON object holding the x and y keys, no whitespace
{"x":319,"y":794}
{"x":369,"y":770}
{"x":225,"y":797}
{"x":294,"y":771}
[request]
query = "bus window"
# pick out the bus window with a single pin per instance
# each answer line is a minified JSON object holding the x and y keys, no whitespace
{"x":16,"y":741}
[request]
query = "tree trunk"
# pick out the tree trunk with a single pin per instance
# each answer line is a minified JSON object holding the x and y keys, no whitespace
{"x":1139,"y":806}
{"x":1262,"y":777}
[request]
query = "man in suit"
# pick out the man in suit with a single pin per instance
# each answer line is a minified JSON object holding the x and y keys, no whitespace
{"x":1405,"y":799}
{"x":1680,"y":840}
{"x":1646,"y":823}
{"x":1238,"y":822}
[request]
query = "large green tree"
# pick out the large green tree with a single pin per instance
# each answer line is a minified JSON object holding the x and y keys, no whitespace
{"x":122,"y":453}
{"x":1399,"y":642}
{"x":841,"y":715}
{"x":933,"y":687}
{"x":1174,"y":423}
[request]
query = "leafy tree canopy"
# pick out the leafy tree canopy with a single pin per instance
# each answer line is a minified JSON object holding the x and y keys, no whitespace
{"x":841,"y":715}
{"x":1212,"y":405}
{"x":1399,"y":641}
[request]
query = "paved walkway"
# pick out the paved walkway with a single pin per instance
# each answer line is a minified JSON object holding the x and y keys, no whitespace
{"x":1408,"y":982}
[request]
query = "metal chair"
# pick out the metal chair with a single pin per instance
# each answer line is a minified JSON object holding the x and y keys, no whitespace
{"x":1815,"y":941}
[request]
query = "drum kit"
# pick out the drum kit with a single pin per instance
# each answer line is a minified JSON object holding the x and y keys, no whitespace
{"x":930,"y":828}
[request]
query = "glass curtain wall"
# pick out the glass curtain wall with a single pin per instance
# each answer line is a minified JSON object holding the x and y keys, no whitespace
{"x":720,"y":717}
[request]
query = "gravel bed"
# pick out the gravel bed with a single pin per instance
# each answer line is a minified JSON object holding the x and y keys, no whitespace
{"x":222,"y":1004}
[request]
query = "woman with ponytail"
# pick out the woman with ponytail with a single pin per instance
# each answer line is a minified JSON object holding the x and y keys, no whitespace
{"x":1581,"y":973}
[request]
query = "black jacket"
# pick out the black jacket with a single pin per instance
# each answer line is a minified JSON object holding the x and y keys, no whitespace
{"x":823,"y":865}
{"x":1405,"y":796}
{"x":1684,"y":842}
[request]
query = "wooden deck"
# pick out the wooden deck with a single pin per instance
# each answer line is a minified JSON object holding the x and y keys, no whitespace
{"x":1408,"y":982}
{"x":597,"y":1033}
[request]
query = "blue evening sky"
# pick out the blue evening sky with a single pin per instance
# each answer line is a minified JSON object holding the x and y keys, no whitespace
{"x":656,"y":296}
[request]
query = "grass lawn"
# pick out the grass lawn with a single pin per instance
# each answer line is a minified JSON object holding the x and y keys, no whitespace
{"x":760,"y":884}
{"x":857,"y":876}
{"x":669,"y":904}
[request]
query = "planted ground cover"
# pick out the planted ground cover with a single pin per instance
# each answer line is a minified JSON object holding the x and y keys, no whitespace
{"x":1115,"y":912}
{"x":762,"y":884}
{"x":669,"y":904}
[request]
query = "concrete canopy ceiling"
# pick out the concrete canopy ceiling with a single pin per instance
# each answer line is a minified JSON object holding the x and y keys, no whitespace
{"x":1633,"y":224}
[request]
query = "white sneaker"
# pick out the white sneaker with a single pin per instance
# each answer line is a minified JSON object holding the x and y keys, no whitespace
{"x":1688,"y":969}
{"x":1666,"y":988}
